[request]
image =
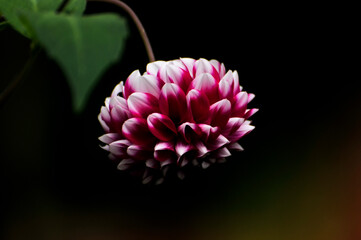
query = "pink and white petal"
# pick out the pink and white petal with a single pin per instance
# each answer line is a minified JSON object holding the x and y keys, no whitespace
{"x":219,"y":67}
{"x":119,"y":148}
{"x":198,"y":104}
{"x":232,"y":125}
{"x":142,"y":104}
{"x":117,"y":101}
{"x":146,"y":84}
{"x":161,"y":126}
{"x":219,"y":142}
{"x":241,"y":131}
{"x":209,"y":132}
{"x":219,"y":113}
{"x":235,"y":146}
{"x":250,"y":97}
{"x":172,"y":102}
{"x":128,"y":88}
{"x":138,"y":152}
{"x":225,"y":86}
{"x":189,"y":132}
{"x":109,"y":137}
{"x":188,"y":63}
{"x":240,"y":104}
{"x":104,"y":119}
{"x":204,"y":66}
{"x":153,"y":67}
{"x":118,"y":89}
{"x":207,"y":84}
{"x":236,"y":87}
{"x":171,"y":73}
{"x":182,"y":147}
{"x":136,"y":130}
{"x":249,"y":112}
{"x":119,"y":115}
{"x":152,"y":163}
{"x":202,"y":150}
{"x":165,"y":152}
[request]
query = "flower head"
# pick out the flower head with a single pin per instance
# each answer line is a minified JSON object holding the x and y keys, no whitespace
{"x":178,"y":113}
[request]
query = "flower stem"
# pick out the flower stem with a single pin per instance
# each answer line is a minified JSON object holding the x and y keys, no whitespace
{"x":137,"y":22}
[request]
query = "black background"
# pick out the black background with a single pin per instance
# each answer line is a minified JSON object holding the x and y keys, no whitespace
{"x":58,"y":184}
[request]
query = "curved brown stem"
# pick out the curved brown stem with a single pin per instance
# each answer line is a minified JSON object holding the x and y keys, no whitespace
{"x":137,"y":22}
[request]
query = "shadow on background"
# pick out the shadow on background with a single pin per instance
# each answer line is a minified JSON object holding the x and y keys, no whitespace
{"x":298,"y":177}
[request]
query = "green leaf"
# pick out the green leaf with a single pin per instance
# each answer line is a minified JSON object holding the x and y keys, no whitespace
{"x":11,"y":10}
{"x":83,"y":46}
{"x":76,"y":7}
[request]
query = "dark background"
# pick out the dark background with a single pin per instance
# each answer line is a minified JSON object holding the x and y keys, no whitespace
{"x":298,"y":178}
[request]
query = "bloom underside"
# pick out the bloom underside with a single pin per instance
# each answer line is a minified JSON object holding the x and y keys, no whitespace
{"x":178,"y":112}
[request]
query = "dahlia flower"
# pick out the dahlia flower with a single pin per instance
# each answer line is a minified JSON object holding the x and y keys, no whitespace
{"x":179,"y":113}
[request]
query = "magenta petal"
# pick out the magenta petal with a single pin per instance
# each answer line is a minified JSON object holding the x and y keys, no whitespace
{"x":198,"y":104}
{"x":235,"y":146}
{"x":190,"y":132}
{"x":119,"y":115}
{"x":220,"y":141}
{"x":240,"y":104}
{"x":142,"y":104}
{"x":165,"y":152}
{"x":231,"y":127}
{"x":171,"y":73}
{"x":172,"y":102}
{"x":128,"y":89}
{"x":250,"y":112}
{"x":161,"y":126}
{"x":236,"y":87}
{"x":182,"y":147}
{"x":220,"y":113}
{"x":222,"y":153}
{"x":225,"y":86}
{"x":188,"y":63}
{"x":221,"y":69}
{"x":209,"y":133}
{"x":136,"y":130}
{"x":207,"y":84}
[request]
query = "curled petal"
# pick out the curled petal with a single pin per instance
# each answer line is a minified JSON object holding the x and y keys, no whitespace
{"x":206,"y":83}
{"x":109,"y":138}
{"x":190,"y":132}
{"x":165,"y":152}
{"x":198,"y":105}
{"x":146,"y":84}
{"x":104,"y":118}
{"x":172,"y":102}
{"x":220,"y":113}
{"x":161,"y":126}
{"x":118,"y":89}
{"x":209,"y":133}
{"x":153,"y":67}
{"x":136,"y":130}
{"x":142,"y":104}
{"x":240,"y":104}
{"x":119,"y":148}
